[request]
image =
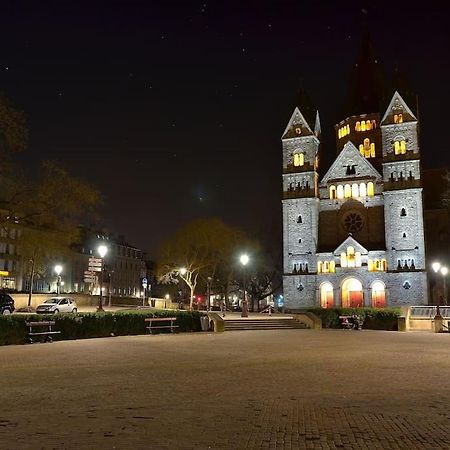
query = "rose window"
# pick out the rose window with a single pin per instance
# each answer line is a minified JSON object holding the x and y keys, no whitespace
{"x":353,"y":222}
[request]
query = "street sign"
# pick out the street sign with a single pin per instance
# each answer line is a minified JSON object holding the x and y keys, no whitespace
{"x":95,"y":260}
{"x":144,"y":283}
{"x":95,"y":269}
{"x":92,"y":280}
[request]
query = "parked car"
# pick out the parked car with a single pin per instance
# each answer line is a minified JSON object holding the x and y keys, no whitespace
{"x":57,"y":305}
{"x":6,"y":304}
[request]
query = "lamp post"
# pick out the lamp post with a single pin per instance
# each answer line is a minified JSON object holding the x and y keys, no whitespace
{"x":208,"y":293}
{"x":444,"y":271}
{"x":58,"y":270}
{"x":102,"y":251}
{"x":244,"y":259}
{"x":436,"y":266}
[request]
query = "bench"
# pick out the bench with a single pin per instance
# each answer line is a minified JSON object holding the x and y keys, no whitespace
{"x":160,"y":320}
{"x":45,"y":330}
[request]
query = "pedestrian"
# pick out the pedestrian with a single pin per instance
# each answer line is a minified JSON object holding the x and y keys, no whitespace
{"x":223,"y":308}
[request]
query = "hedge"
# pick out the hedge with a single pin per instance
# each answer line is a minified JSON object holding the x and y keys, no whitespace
{"x":374,"y":318}
{"x":93,"y":325}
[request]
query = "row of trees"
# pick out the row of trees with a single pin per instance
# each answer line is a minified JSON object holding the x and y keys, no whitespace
{"x":205,"y":253}
{"x":44,"y":204}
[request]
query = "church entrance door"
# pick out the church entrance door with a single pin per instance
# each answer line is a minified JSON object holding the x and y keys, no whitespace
{"x":378,"y":295}
{"x":326,"y":296}
{"x":352,"y":294}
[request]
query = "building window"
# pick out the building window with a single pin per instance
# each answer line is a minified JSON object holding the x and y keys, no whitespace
{"x":299,"y":219}
{"x":362,"y":190}
{"x":340,"y":192}
{"x":358,"y":126}
{"x":326,"y":267}
{"x":300,"y":241}
{"x":403,"y":213}
{"x":355,"y":190}
{"x":351,"y":258}
{"x":400,"y":147}
{"x":353,"y":222}
{"x":343,"y":131}
{"x":370,"y":189}
{"x":367,"y":149}
{"x":326,"y":295}
{"x":347,"y":191}
{"x":404,"y":235}
{"x":299,"y":159}
{"x":377,"y":265}
{"x":332,"y":192}
{"x":398,"y":118}
{"x":378,"y":295}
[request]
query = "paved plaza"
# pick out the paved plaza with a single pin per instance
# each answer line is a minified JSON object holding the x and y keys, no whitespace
{"x":284,"y":389}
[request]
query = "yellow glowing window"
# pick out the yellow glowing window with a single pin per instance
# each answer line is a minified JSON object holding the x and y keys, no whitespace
{"x":398,"y":118}
{"x":370,"y":189}
{"x":355,"y":190}
{"x":339,"y":133}
{"x":358,"y":126}
{"x":340,"y":191}
{"x":348,"y":129}
{"x":343,"y":259}
{"x":319,"y":267}
{"x":347,"y":191}
{"x":332,"y":192}
{"x":400,"y":147}
{"x":332,"y":267}
{"x":363,"y":126}
{"x":368,"y":125}
{"x":299,"y":159}
{"x":372,"y":150}
{"x":350,"y":257}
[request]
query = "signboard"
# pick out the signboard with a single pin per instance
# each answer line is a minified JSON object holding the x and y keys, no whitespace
{"x":93,"y":260}
{"x":90,"y":276}
{"x":280,"y":301}
{"x":144,"y":283}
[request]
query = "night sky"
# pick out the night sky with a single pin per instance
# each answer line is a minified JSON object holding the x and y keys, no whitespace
{"x":175,"y":110}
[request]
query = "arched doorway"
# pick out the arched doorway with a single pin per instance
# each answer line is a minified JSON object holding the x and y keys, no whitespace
{"x":352,"y":293}
{"x":326,"y":295}
{"x":378,"y":295}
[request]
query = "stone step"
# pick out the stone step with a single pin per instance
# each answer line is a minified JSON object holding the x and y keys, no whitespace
{"x":263,"y":324}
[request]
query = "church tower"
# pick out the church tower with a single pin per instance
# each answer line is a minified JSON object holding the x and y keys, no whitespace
{"x":300,"y":204}
{"x":403,"y":202}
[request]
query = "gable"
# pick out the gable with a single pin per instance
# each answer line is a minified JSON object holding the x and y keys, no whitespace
{"x":297,"y":126}
{"x":397,"y":105}
{"x":350,"y":242}
{"x":348,"y":159}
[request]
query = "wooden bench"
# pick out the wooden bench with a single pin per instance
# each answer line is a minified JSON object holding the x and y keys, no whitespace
{"x":46,"y":332}
{"x":158,"y":320}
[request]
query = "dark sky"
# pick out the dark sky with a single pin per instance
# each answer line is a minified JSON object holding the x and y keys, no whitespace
{"x":175,"y":110}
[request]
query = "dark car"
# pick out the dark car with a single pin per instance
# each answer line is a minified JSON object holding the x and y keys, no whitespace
{"x":6,"y":304}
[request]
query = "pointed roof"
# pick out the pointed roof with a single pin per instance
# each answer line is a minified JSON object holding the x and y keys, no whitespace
{"x":397,"y":104}
{"x":350,"y":241}
{"x":297,"y":126}
{"x":317,"y":127}
{"x":350,"y":156}
{"x":367,"y":81}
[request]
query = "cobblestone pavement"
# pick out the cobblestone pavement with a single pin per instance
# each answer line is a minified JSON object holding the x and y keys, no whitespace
{"x":284,"y":389}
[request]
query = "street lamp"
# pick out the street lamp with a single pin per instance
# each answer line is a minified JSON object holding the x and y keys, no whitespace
{"x":58,"y":270}
{"x":102,"y":251}
{"x":183,"y":271}
{"x":244,"y":259}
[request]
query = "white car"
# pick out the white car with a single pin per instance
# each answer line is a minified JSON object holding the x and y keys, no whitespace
{"x":57,"y":305}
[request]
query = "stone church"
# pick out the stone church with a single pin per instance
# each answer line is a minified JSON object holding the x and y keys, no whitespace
{"x":354,"y":236}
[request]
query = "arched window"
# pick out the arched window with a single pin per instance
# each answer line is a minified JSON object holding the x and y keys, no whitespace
{"x":363,"y":125}
{"x":332,"y":192}
{"x":370,"y":189}
{"x":347,"y":191}
{"x":357,"y":259}
{"x":319,"y":267}
{"x":374,"y":124}
{"x":348,"y":129}
{"x":372,"y":150}
{"x":352,"y":293}
{"x":402,"y":147}
{"x":340,"y":191}
{"x":397,"y":147}
{"x":403,"y":213}
{"x":350,"y":256}
{"x":339,"y":133}
{"x":358,"y":126}
{"x":326,"y":295}
{"x":343,"y":259}
{"x":404,"y":235}
{"x":299,"y":219}
{"x":299,"y":159}
{"x":378,"y":295}
{"x":355,"y":190}
{"x":398,"y":118}
{"x":362,"y":189}
{"x":368,"y":125}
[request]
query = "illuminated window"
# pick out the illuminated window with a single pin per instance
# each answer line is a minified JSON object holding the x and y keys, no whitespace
{"x":378,"y":295}
{"x":347,"y":191}
{"x":363,"y":125}
{"x":326,"y":296}
{"x":362,"y":189}
{"x":398,"y":118}
{"x":319,"y":267}
{"x":343,"y":259}
{"x":343,"y":131}
{"x":368,"y":125}
{"x":357,"y":259}
{"x":332,"y":192}
{"x":355,"y":190}
{"x":350,"y":257}
{"x":340,"y":192}
{"x":367,"y":149}
{"x":377,"y":265}
{"x":358,"y":126}
{"x":370,"y":189}
{"x":298,"y":130}
{"x":400,"y":147}
{"x":326,"y":267}
{"x":299,"y":159}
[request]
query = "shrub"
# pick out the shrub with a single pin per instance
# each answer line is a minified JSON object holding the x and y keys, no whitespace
{"x":92,"y":325}
{"x":374,"y":318}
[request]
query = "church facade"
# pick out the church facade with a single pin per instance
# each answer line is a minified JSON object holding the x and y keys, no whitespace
{"x":355,"y":236}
